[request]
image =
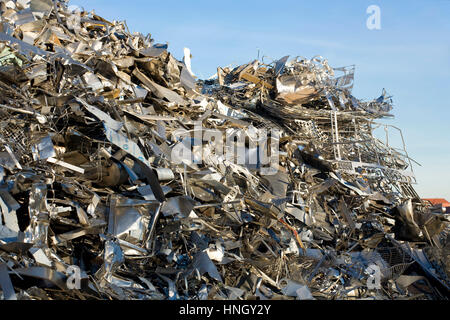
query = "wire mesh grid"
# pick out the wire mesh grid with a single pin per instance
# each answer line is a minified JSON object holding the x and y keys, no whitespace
{"x":397,"y":260}
{"x":14,"y":136}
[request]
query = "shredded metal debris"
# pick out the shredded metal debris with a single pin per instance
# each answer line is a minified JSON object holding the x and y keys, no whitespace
{"x":119,"y":178}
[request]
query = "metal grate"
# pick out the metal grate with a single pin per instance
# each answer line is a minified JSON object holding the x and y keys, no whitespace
{"x":14,"y":135}
{"x":397,"y":260}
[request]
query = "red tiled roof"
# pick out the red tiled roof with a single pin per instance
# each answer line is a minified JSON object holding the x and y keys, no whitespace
{"x":437,"y":201}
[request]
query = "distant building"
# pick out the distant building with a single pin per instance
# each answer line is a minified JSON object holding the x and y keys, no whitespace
{"x":439,"y":204}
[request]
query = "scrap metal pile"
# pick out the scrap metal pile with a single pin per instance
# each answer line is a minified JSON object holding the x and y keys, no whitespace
{"x":103,"y":195}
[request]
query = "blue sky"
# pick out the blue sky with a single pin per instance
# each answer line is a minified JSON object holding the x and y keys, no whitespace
{"x":409,"y":56}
